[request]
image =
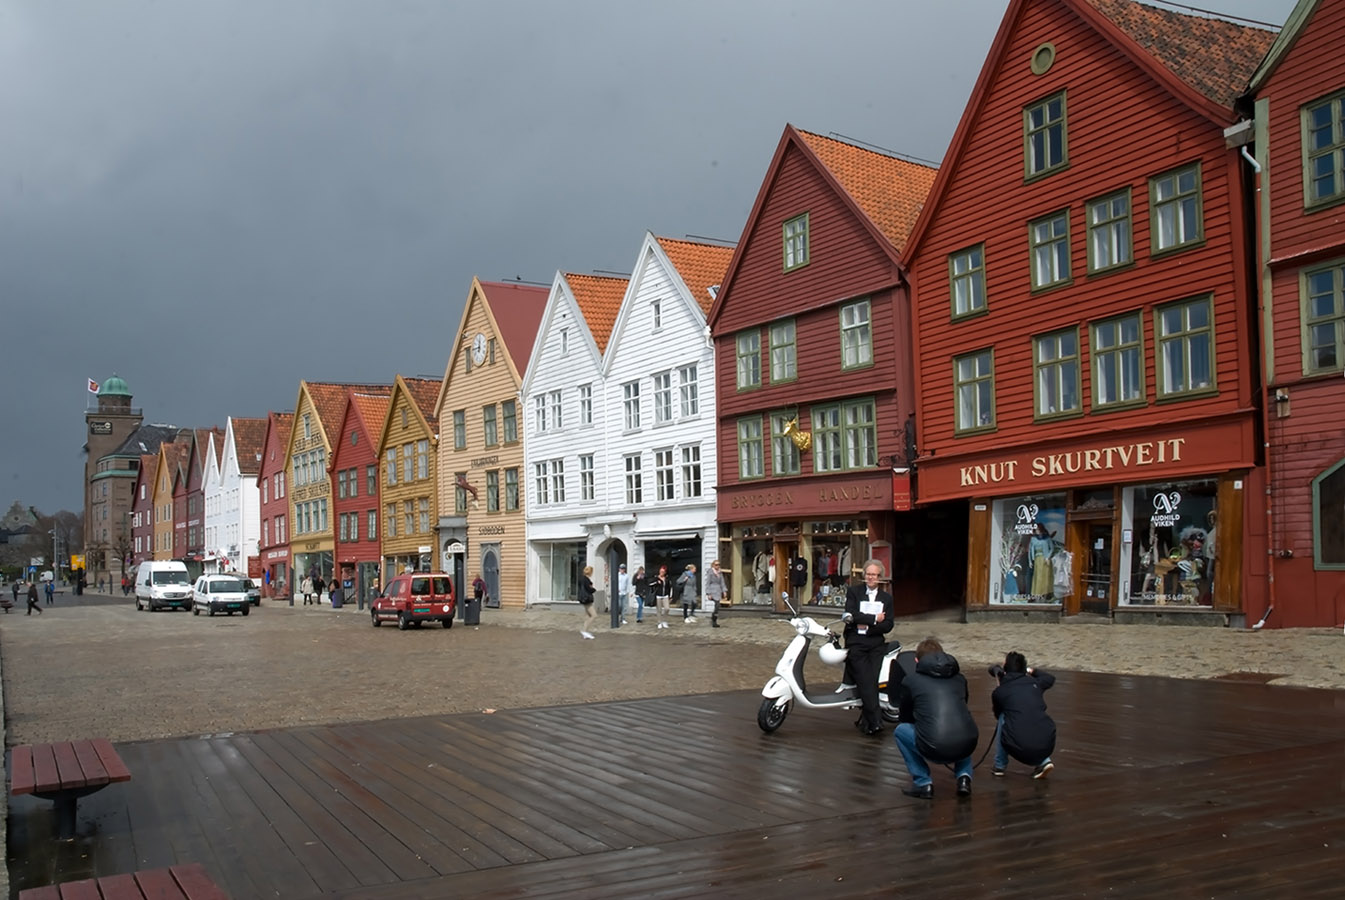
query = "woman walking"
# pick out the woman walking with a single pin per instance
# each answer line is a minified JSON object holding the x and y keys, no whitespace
{"x":640,"y":589}
{"x":586,"y":592}
{"x":686,"y":583}
{"x":662,"y":588}
{"x":715,"y":590}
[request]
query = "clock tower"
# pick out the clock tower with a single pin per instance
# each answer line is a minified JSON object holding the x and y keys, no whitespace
{"x":107,"y":500}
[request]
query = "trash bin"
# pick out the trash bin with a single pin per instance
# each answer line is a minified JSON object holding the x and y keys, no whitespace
{"x":471,"y":613}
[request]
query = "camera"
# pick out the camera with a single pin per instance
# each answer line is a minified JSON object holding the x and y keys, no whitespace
{"x":996,"y":671}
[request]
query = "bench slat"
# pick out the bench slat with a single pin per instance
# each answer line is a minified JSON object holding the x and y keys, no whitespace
{"x":196,"y":884}
{"x":116,"y":769}
{"x":69,"y":773}
{"x":50,"y":892}
{"x":86,"y":889}
{"x":158,"y":884}
{"x":119,"y":887}
{"x":90,"y":764}
{"x":21,"y":779}
{"x":46,"y":777}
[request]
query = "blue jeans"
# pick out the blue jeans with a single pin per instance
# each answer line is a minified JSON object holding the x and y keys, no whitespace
{"x":904,"y":735}
{"x":639,"y":608}
{"x":1001,"y":754}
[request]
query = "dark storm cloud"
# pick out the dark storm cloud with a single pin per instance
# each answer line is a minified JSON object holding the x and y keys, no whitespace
{"x":217,"y":199}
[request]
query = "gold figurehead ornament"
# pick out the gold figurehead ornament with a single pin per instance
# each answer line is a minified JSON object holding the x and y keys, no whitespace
{"x":802,"y":439}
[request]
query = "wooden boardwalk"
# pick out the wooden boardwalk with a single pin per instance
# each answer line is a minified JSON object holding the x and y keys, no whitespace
{"x":1163,"y":788}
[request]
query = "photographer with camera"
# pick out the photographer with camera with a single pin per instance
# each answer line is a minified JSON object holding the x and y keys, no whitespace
{"x":1026,"y":732}
{"x":936,"y":725}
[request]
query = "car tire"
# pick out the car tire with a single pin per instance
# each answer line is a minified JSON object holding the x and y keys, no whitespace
{"x":448,"y":623}
{"x":373,"y":614}
{"x":138,"y":607}
{"x":403,"y":622}
{"x":195,"y":610}
{"x":245,"y":609}
{"x":211,"y":613}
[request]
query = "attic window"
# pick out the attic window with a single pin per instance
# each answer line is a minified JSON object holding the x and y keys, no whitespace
{"x":354,"y":437}
{"x":1043,"y":58}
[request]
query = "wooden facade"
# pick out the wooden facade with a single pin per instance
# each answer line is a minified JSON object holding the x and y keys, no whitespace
{"x":273,"y":545}
{"x":407,"y":445}
{"x":1301,"y":239}
{"x":1064,"y":250}
{"x":162,"y":492}
{"x":357,"y":503}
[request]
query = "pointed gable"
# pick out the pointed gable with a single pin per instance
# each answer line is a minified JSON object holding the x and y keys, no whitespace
{"x":423,"y":392}
{"x":516,"y":310}
{"x":599,"y":299}
{"x":371,"y":410}
{"x":701,"y":266}
{"x":249,"y":438}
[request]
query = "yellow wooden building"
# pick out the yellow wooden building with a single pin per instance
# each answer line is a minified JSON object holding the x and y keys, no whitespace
{"x":409,"y":464}
{"x":172,"y":457}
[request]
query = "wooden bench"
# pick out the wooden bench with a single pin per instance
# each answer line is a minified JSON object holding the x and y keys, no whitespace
{"x":189,"y":882}
{"x":64,"y":772}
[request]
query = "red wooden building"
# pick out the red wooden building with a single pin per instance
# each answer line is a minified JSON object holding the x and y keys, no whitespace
{"x":274,"y":544}
{"x":1084,"y":310}
{"x":1297,"y":101}
{"x":142,"y":511}
{"x":812,"y":340}
{"x":354,"y":473}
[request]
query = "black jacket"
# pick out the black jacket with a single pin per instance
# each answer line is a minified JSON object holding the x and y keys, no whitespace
{"x":643,"y":587}
{"x":586,"y":590}
{"x":934,"y":699}
{"x":662,"y":587}
{"x":876,"y":634}
{"x":1028,"y":732}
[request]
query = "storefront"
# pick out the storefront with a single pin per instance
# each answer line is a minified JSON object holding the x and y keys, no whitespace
{"x":559,"y":564}
{"x":276,"y":572}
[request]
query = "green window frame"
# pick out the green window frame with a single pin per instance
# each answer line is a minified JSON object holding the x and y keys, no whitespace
{"x":861,"y":433}
{"x":856,"y":335}
{"x":784,"y":352}
{"x":1110,"y":244}
{"x":459,"y":496}
{"x":966,"y":281}
{"x":1048,"y":241}
{"x":459,"y":431}
{"x":749,"y":360}
{"x":828,"y":439}
{"x":488,"y":425}
{"x":1117,"y":348}
{"x":509,"y":413}
{"x":785,"y":458}
{"x":511,"y":490}
{"x":795,"y":235}
{"x":1324,"y":151}
{"x":1184,"y":348}
{"x":1056,"y":390}
{"x":1045,"y":137}
{"x":1322,"y":291}
{"x":1328,"y":518}
{"x":974,"y":392}
{"x":1176,"y":210}
{"x":750,"y":462}
{"x":492,"y":490}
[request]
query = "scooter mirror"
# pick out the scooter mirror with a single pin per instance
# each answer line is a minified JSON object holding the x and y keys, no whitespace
{"x":847,"y":618}
{"x":784,"y":595}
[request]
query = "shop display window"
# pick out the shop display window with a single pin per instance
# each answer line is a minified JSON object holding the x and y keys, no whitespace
{"x":1172,"y":553}
{"x":834,"y":550}
{"x":1029,"y":536}
{"x":560,"y":565}
{"x":754,"y":570}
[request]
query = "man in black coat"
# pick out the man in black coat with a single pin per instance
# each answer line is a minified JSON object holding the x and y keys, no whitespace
{"x":1026,"y":732}
{"x":936,"y":725}
{"x":865,"y":639}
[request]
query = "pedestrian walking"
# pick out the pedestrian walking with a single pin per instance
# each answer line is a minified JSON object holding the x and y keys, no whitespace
{"x":639,"y":586}
{"x":686,"y":589}
{"x":51,"y":591}
{"x":32,"y":599}
{"x":586,"y":594}
{"x":715,"y":591}
{"x":306,"y":588}
{"x":622,"y":590}
{"x":15,"y":589}
{"x":318,"y":587}
{"x":662,"y":588}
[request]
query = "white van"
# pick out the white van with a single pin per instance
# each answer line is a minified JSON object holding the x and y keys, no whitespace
{"x":162,"y":584}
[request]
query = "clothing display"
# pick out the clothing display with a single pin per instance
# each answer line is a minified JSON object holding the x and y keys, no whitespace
{"x":798,"y":572}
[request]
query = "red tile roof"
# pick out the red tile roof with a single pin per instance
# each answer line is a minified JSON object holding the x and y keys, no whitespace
{"x":329,"y":400}
{"x":890,"y":191}
{"x":372,"y":410}
{"x":281,"y":424}
{"x":702,"y":266}
{"x":1214,"y":56}
{"x":249,"y":435}
{"x":517,"y":309}
{"x":424,"y":392}
{"x":599,"y":298}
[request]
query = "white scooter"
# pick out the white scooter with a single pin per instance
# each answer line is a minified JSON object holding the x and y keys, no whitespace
{"x":787,"y":687}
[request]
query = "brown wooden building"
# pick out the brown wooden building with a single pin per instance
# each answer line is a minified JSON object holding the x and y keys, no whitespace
{"x":1297,"y":101}
{"x":1083,"y":318}
{"x":408,"y":443}
{"x":812,"y":343}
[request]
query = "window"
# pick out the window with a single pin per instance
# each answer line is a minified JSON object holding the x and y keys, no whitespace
{"x":1049,"y":242}
{"x":750,"y":463}
{"x":631,"y":404}
{"x":354,"y":479}
{"x":749,"y":360}
{"x":492,"y":436}
{"x":1328,"y":518}
{"x":784,"y":362}
{"x":539,"y":412}
{"x":409,"y":516}
{"x":341,"y":484}
{"x":796,"y":242}
{"x":556,"y":421}
{"x":423,"y":507}
{"x":1174,"y":200}
{"x":308,"y":427}
{"x":784,"y":454}
{"x":1109,"y":232}
{"x":1045,"y":143}
{"x":663,"y":474}
{"x":491,"y":350}
{"x":372,"y":531}
{"x":266,"y":534}
{"x":408,"y":472}
{"x":690,"y":390}
{"x":265,"y":491}
{"x":861,"y":434}
{"x":974,"y":387}
{"x":404,"y":418}
{"x":1118,"y":362}
{"x":966,"y":277}
{"x":1185,"y":347}
{"x":656,"y":314}
{"x":1057,"y":375}
{"x":459,"y":430}
{"x":542,"y":483}
{"x":371,"y":480}
{"x":558,"y":480}
{"x":493,"y":490}
{"x":390,"y":519}
{"x":586,"y":477}
{"x":1324,"y":319}
{"x":391,"y":467}
{"x":423,"y":459}
{"x":459,"y":493}
{"x":663,"y":408}
{"x":510,"y":417}
{"x":634,"y":479}
{"x":565,"y":342}
{"x":856,"y":338}
{"x":282,"y":531}
{"x":585,"y":404}
{"x":691,"y":470}
{"x":510,"y":489}
{"x":1324,"y":151}
{"x":828,"y":446}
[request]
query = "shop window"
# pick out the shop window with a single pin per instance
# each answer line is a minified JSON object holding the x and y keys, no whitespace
{"x":1324,"y":151}
{"x":1185,"y":347}
{"x":834,"y":551}
{"x":1323,"y":292}
{"x":1029,"y":557}
{"x":1172,"y":556}
{"x":1118,"y":362}
{"x":756,"y":562}
{"x":1057,"y":381}
{"x":1328,"y":518}
{"x":559,"y":566}
{"x":1045,"y":143}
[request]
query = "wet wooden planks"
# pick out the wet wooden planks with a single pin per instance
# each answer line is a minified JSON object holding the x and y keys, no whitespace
{"x":1162,"y":787}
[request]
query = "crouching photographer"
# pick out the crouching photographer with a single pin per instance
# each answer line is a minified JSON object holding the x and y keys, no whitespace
{"x":1026,"y":732}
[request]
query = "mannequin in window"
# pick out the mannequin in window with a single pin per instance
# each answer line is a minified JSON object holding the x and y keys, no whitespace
{"x":1040,"y":549}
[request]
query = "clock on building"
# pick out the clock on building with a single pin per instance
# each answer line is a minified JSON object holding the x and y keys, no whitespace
{"x":479,"y":349}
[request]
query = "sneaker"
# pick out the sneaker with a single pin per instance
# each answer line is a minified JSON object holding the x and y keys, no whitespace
{"x":997,"y":772}
{"x":964,"y":785}
{"x":689,"y":619}
{"x":624,"y":622}
{"x":586,"y":635}
{"x":1043,"y":770}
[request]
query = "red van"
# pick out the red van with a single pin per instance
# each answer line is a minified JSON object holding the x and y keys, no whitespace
{"x":414,"y":598}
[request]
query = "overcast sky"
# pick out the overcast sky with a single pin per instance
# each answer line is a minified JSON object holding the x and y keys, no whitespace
{"x":217,"y":199}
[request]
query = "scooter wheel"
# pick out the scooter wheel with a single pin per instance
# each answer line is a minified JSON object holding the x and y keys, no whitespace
{"x":771,"y":715}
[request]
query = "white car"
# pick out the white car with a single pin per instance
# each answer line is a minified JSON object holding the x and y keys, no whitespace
{"x":220,"y":593}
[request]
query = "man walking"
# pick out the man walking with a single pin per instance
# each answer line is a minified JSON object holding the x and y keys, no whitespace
{"x":50,"y":590}
{"x":32,"y":599}
{"x":936,"y":725}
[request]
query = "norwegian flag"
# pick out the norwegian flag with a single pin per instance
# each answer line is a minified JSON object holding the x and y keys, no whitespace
{"x":93,"y":386}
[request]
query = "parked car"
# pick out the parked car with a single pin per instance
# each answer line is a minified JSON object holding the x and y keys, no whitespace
{"x":220,"y":593}
{"x":414,"y":598}
{"x":162,"y":583}
{"x":254,"y":592}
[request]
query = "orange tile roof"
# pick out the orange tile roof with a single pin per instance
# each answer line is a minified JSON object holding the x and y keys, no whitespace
{"x":1215,"y":57}
{"x":424,"y":392}
{"x":702,"y":266}
{"x":372,"y":410}
{"x":329,"y":400}
{"x":249,"y":435}
{"x":890,"y":191}
{"x":517,"y":310}
{"x":281,"y":423}
{"x":599,"y":298}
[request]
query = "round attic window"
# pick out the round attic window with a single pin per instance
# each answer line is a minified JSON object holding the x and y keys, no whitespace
{"x":1043,"y":58}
